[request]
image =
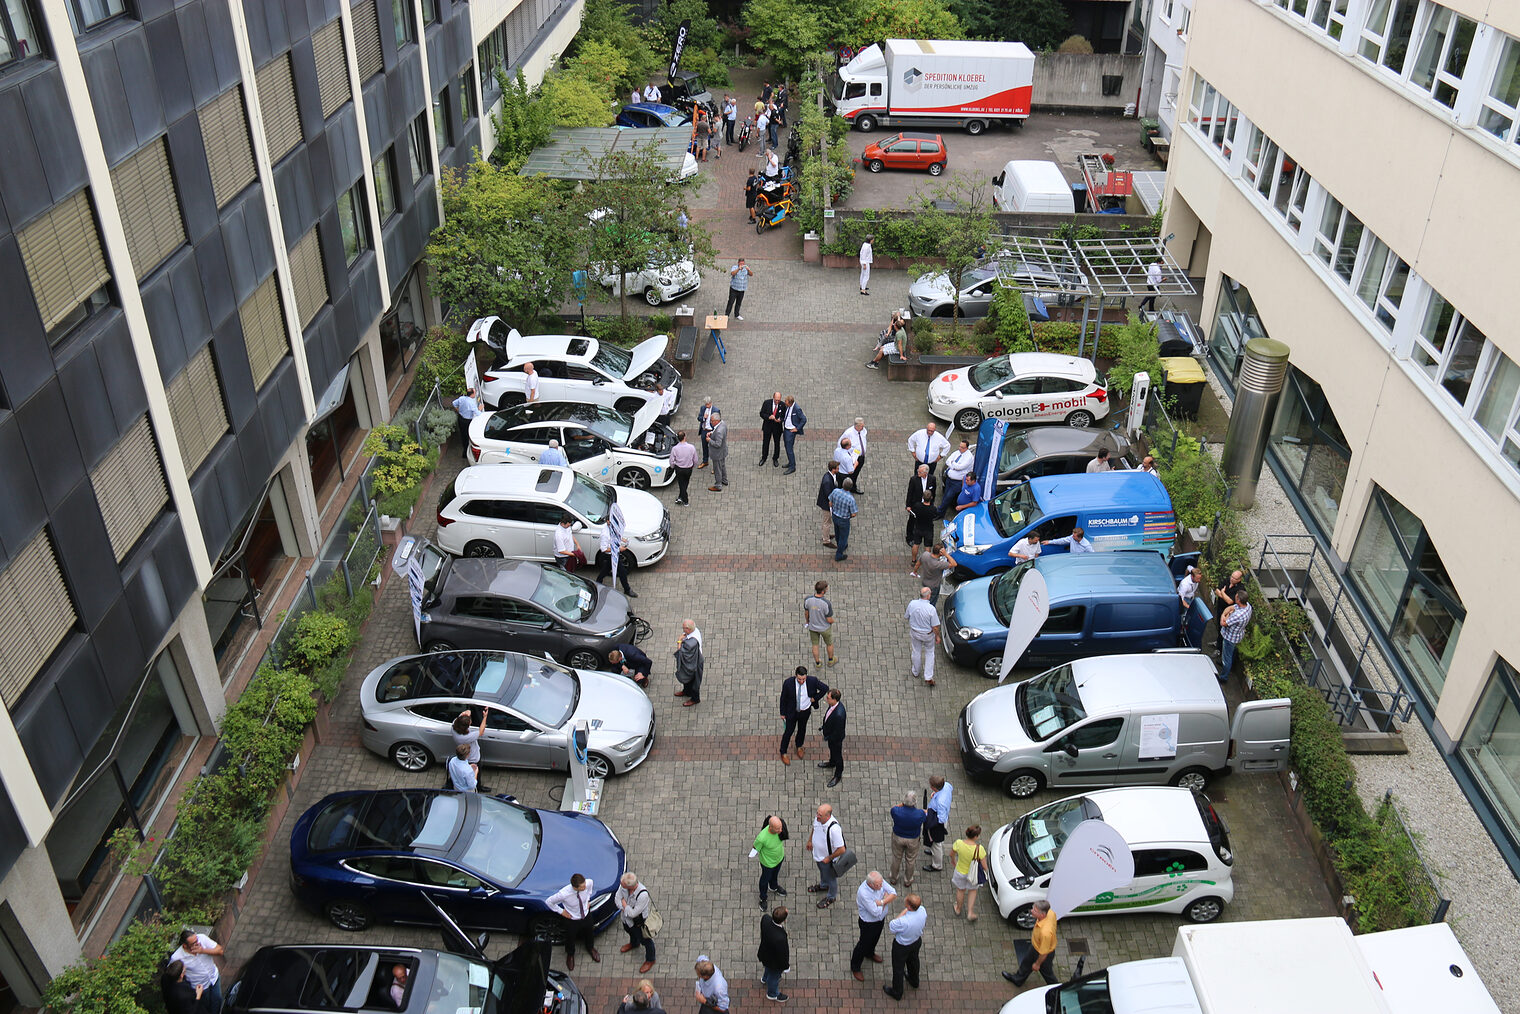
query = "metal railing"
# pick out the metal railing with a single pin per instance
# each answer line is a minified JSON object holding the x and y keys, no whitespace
{"x":432,"y":401}
{"x":1424,"y":889}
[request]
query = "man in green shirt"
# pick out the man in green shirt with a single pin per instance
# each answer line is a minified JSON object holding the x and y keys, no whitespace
{"x":769,"y":847}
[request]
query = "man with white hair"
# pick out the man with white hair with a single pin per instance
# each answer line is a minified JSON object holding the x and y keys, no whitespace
{"x":689,"y":663}
{"x":857,"y":434}
{"x":923,"y":634}
{"x":633,"y":899}
{"x":873,"y":898}
{"x":717,"y":449}
{"x":554,"y":456}
{"x":711,"y":987}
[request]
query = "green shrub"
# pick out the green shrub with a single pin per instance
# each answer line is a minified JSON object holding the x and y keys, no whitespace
{"x":623,"y":331}
{"x":320,"y":637}
{"x":441,"y":361}
{"x":984,"y":344}
{"x":1061,"y":336}
{"x":1009,"y":319}
{"x":400,"y":461}
{"x":123,"y":981}
{"x":923,"y":340}
{"x":1138,"y":352}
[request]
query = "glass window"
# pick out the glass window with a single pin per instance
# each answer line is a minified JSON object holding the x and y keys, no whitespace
{"x":1490,"y":748}
{"x":441,"y":122}
{"x":86,"y":14}
{"x":1386,"y":32}
{"x":467,"y":111}
{"x":401,"y":16}
{"x":1397,"y":569}
{"x":1339,"y":239}
{"x":418,"y":156}
{"x":1329,"y":16}
{"x":353,"y":223}
{"x":1441,"y":59}
{"x":18,"y":37}
{"x":385,"y":184}
{"x":1496,"y":407}
{"x":1309,"y":445}
{"x":1235,"y":323}
{"x":429,"y":12}
{"x":1461,"y":364}
{"x":1501,"y":106}
{"x":1381,"y":287}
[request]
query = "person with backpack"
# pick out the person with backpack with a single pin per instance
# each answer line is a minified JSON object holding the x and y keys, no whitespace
{"x":772,"y":852}
{"x":633,"y":900}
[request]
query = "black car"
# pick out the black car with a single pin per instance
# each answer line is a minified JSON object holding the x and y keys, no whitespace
{"x":517,"y":605}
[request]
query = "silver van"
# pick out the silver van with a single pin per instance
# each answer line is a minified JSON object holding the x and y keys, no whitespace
{"x":1149,"y":719}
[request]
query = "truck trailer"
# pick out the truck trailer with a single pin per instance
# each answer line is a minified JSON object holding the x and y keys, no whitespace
{"x":913,"y":83}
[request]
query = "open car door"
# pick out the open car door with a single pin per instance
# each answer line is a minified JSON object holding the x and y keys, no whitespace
{"x":455,"y":939}
{"x":1259,"y":736}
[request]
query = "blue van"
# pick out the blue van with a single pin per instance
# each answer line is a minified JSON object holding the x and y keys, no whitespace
{"x":1116,"y":510}
{"x":1100,"y":604}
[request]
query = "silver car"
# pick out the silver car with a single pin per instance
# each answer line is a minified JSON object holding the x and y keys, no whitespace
{"x":409,"y":705}
{"x":932,"y":295}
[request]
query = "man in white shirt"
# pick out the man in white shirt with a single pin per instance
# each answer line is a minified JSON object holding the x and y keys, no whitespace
{"x":857,"y":434}
{"x":1187,"y":588}
{"x":573,"y":901}
{"x":793,"y":425}
{"x":957,"y":466}
{"x":633,"y":899}
{"x":907,"y":938}
{"x":610,"y":561}
{"x":1148,"y":465}
{"x":564,"y":544}
{"x":652,"y":92}
{"x":667,"y":400}
{"x":1100,"y":463}
{"x":554,"y":456}
{"x":467,"y":406}
{"x":873,"y":898}
{"x":827,"y":843}
{"x":927,"y":446}
{"x":196,"y":950}
{"x":635,"y":98}
{"x":1153,"y":278}
{"x":866,"y":257}
{"x":711,"y":987}
{"x":1077,"y":542}
{"x":1026,"y":548}
{"x":847,"y":456}
{"x":939,"y":820}
{"x":761,"y":123}
{"x":530,"y":379}
{"x":923,"y":634}
{"x":463,"y":775}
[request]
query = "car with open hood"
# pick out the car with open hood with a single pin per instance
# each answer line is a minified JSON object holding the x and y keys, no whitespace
{"x":572,"y":368}
{"x":608,"y":445}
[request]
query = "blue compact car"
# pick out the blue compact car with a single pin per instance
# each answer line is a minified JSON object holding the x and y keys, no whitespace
{"x":488,"y":861}
{"x":651,"y":114}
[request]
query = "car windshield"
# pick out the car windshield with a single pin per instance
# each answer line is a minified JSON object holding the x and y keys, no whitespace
{"x":1049,"y":703}
{"x":1015,"y":510}
{"x":984,"y":376}
{"x":565,"y":594}
{"x":674,"y":118}
{"x":1087,"y":995}
{"x":612,"y":360}
{"x":462,"y":986}
{"x":547,"y":694}
{"x":1039,"y":835}
{"x":505,"y":843}
{"x":1016,"y":452}
{"x":1004,"y":591}
{"x":973,"y":277}
{"x":589,"y":498}
{"x":608,"y":423}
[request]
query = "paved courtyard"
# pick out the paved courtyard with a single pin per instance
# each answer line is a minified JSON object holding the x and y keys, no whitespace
{"x":740,"y":564}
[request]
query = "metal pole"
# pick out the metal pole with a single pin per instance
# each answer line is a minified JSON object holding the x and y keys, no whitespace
{"x":1082,"y":337}
{"x":830,"y":227}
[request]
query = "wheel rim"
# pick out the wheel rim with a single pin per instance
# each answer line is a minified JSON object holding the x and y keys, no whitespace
{"x":992,"y":666}
{"x":1193,"y":780}
{"x":411,"y":757}
{"x":936,"y":169}
{"x":584,"y":660}
{"x":652,"y":296}
{"x":974,"y":127}
{"x":1079,"y":419}
{"x":1024,"y":917}
{"x":875,"y":165}
{"x":1023,"y":786}
{"x":482,"y":550}
{"x":1205,"y":910}
{"x":441,"y":646}
{"x":633,"y":478}
{"x":548,"y":928}
{"x":598,"y":766}
{"x":968,"y":420}
{"x":347,"y":916}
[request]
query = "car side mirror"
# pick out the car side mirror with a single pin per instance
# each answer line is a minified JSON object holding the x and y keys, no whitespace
{"x":577,"y":526}
{"x":997,"y":394}
{"x":1069,"y":749}
{"x":481,"y":891}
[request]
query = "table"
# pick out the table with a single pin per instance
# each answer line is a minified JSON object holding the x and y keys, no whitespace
{"x":716,"y":324}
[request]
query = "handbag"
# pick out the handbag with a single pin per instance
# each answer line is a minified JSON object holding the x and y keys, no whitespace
{"x":978,"y":868}
{"x":844,"y":862}
{"x":650,"y":923}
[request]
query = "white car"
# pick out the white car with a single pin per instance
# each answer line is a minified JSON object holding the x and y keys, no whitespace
{"x":598,"y":441}
{"x":1183,"y":860}
{"x":513,"y":510}
{"x":656,"y":284}
{"x":572,"y":368}
{"x":1022,"y":387}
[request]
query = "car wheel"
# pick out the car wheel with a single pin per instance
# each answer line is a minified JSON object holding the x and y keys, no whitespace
{"x":584,"y":658}
{"x":440,"y":646}
{"x":875,"y":165}
{"x":943,"y":312}
{"x":598,"y":766}
{"x":511,"y":398}
{"x":1023,"y":917}
{"x":652,"y":296}
{"x":1196,"y":779}
{"x":482,"y":549}
{"x":1023,"y":783}
{"x":1204,"y":910}
{"x":633,"y":478}
{"x":975,"y":127}
{"x":1081,"y":417}
{"x":628,"y":406}
{"x":550,"y":927}
{"x":348,"y":915}
{"x":935,"y":168}
{"x":992,"y":666}
{"x":865,"y":124}
{"x":412,"y":757}
{"x":968,"y":419}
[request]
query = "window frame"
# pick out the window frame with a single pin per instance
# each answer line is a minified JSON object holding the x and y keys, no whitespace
{"x":443,"y":128}
{"x":9,"y":37}
{"x":468,"y":105}
{"x":1377,"y":39}
{"x":404,"y":23}
{"x":33,"y":237}
{"x":384,"y":171}
{"x":429,"y":12}
{"x":420,"y":151}
{"x":1493,"y":108}
{"x":353,"y":197}
{"x":1441,"y":77}
{"x":1386,"y":294}
{"x":77,"y":16}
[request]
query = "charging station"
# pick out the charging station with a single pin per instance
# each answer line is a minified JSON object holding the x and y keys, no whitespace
{"x":583,"y":794}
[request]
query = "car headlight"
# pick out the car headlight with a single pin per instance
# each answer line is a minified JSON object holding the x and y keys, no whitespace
{"x":651,"y":537}
{"x":666,"y":279}
{"x":1021,"y":883}
{"x":973,"y":550}
{"x":990,"y":751}
{"x":968,"y":633}
{"x":943,"y":399}
{"x":628,"y":744}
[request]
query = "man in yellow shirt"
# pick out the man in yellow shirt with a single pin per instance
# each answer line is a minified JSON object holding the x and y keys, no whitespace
{"x":1039,"y":957}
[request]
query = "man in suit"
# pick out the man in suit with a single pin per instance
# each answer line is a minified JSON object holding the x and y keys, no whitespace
{"x":631,"y":661}
{"x":775,"y":953}
{"x":689,"y":664}
{"x":833,"y":734}
{"x":826,"y":486}
{"x":798,"y":695}
{"x":717,"y":446}
{"x":920,"y":488}
{"x":704,"y":426}
{"x":793,"y":422}
{"x":771,"y":410}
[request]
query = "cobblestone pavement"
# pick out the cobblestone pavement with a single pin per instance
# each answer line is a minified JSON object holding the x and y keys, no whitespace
{"x":740,"y":564}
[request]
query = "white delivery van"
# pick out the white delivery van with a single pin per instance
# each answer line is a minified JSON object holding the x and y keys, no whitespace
{"x":935,"y":83}
{"x":1301,"y":965}
{"x":1027,"y":185}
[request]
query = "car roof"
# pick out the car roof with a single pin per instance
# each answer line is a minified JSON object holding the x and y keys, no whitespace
{"x":513,"y":479}
{"x":1092,"y":575}
{"x":566,"y":346}
{"x":1144,"y":814}
{"x":653,"y":107}
{"x":500,"y":577}
{"x":1110,"y":683}
{"x":917,"y":135}
{"x":1048,"y":440}
{"x":1124,"y":490}
{"x":539,"y":413}
{"x":1052,"y":364}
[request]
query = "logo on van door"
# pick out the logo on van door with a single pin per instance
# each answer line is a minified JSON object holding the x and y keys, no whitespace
{"x":1130,"y":522}
{"x":1019,"y":411}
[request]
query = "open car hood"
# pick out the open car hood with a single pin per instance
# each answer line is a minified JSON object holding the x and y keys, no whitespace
{"x":644,"y":418}
{"x":526,"y":970}
{"x":645,"y":355}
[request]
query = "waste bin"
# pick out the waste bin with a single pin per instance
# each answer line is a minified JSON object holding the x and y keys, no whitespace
{"x":1079,"y":198}
{"x":1184,"y":385}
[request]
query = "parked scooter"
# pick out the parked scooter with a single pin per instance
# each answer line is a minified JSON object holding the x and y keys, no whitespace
{"x":746,"y":131}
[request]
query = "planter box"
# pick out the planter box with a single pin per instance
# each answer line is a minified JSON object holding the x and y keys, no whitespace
{"x":926,"y":368}
{"x":1318,"y":846}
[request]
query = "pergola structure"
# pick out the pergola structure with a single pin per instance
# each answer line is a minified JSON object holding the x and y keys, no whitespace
{"x":572,"y":153}
{"x":1105,"y":267}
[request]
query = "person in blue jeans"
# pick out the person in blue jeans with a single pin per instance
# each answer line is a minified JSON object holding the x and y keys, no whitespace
{"x":738,"y":283}
{"x":1232,"y":630}
{"x":843,"y":507}
{"x":775,"y":952}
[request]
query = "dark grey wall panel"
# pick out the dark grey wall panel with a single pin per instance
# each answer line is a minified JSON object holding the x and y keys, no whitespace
{"x":293,"y":189}
{"x":286,"y":386}
{"x":440,"y":66}
{"x":460,"y":50}
{"x":167,"y":55}
{"x":240,"y":265}
{"x":53,"y":129}
{"x":259,"y":243}
{"x":120,"y":650}
{"x":118,"y":365}
{"x":322,"y":356}
{"x":13,"y":839}
{"x":200,"y":62}
{"x":324,"y":192}
{"x":298,"y":19}
{"x":146,"y":598}
{"x":189,"y":305}
{"x":271,"y":418}
{"x":26,"y":363}
{"x":166,"y":543}
{"x":332,"y":255}
{"x":259,"y":42}
{"x":142,"y":91}
{"x":50,"y":443}
{"x":109,"y":96}
{"x":394,"y":238}
{"x":85,"y":388}
{"x":216,"y":278}
{"x":237,"y":376}
{"x":43,"y":727}
{"x":254,"y":444}
{"x":163,"y":325}
{"x":22,"y":511}
{"x":377,"y":112}
{"x":23,"y":182}
{"x":223,"y":43}
{"x":236,"y":492}
{"x":85,"y":555}
{"x":150,"y":9}
{"x":408,"y":96}
{"x":303,"y":67}
{"x":192,"y":177}
{"x":83,"y":684}
{"x":210,"y":508}
{"x":347,"y":157}
{"x":368,"y":299}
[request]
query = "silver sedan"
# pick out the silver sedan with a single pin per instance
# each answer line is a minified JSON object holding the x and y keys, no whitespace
{"x":409,"y":705}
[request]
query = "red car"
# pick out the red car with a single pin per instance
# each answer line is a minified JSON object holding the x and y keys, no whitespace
{"x":908,"y":150}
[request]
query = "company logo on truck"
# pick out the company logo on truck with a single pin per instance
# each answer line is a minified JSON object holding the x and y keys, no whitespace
{"x":1039,"y":408}
{"x":1129,"y":522}
{"x":913,"y":79}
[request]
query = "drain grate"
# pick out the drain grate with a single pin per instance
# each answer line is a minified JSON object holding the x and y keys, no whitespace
{"x":1078,"y":945}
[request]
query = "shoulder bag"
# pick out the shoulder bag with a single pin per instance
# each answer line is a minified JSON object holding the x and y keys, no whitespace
{"x":977,"y":867}
{"x":846,"y":860}
{"x":650,"y":923}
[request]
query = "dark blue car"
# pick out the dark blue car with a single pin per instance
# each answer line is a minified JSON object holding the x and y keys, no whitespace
{"x":651,"y":114}
{"x":488,"y":861}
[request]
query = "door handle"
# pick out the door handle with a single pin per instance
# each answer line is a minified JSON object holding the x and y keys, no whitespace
{"x":1110,"y":756}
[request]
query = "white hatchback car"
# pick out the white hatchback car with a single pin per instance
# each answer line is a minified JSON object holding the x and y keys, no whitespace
{"x":572,"y":368}
{"x":1181,"y":848}
{"x":1022,"y":387}
{"x":598,"y":441}
{"x":513,"y":510}
{"x":656,"y":284}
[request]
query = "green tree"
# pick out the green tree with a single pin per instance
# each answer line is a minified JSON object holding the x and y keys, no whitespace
{"x":573,"y":101}
{"x":1039,"y":24}
{"x":960,"y":236}
{"x":704,"y":34}
{"x":522,"y":125}
{"x":871,"y":21}
{"x":602,"y":64}
{"x":611,"y":22}
{"x":627,"y":219}
{"x":500,"y":249}
{"x":786,"y":31}
{"x":838,"y":174}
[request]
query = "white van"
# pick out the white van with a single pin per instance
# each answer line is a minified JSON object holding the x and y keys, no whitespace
{"x":1031,"y":186}
{"x":1181,"y":848}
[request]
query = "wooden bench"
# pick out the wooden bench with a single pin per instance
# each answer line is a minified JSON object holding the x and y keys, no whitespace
{"x":685,"y":357}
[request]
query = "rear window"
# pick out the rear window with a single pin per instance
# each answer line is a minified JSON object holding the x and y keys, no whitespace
{"x":1127,"y":617}
{"x":448,"y":495}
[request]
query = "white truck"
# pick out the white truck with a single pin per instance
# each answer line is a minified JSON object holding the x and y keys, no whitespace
{"x":1282,"y":966}
{"x":908,"y":82}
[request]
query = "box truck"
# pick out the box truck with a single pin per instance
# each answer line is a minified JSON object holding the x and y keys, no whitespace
{"x":1292,"y":966}
{"x":906,"y":82}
